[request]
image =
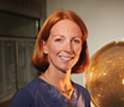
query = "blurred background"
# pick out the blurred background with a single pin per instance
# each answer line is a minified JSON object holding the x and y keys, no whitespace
{"x":20,"y":21}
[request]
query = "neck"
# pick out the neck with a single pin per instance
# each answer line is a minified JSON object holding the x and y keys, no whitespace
{"x":59,"y":79}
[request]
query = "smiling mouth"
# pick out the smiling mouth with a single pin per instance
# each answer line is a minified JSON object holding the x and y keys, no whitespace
{"x":66,"y":58}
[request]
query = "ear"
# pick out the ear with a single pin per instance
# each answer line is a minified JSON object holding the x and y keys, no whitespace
{"x":45,"y":49}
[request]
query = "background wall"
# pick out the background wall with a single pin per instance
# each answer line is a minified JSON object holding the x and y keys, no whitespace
{"x":103,"y":18}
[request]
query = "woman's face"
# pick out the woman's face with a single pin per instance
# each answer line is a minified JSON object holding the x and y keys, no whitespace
{"x":64,"y":45}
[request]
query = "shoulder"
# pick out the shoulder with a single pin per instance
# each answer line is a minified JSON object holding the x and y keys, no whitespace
{"x":82,"y":90}
{"x":25,"y":96}
{"x":83,"y":95}
{"x":32,"y":86}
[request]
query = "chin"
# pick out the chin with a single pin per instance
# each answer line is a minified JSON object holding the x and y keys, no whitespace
{"x":65,"y":70}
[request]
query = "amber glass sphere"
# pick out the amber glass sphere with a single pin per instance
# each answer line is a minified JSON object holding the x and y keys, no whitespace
{"x":105,"y":76}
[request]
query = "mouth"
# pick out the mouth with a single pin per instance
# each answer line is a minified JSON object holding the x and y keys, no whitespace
{"x":66,"y":58}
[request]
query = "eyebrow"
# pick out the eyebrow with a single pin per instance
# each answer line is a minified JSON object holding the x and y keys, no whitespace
{"x":59,"y":35}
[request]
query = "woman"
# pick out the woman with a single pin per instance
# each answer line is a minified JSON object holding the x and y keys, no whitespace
{"x":60,"y":50}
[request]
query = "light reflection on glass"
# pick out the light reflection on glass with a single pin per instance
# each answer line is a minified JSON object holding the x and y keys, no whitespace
{"x":123,"y":81}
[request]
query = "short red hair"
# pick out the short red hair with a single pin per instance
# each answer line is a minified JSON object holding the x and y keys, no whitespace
{"x":39,"y":59}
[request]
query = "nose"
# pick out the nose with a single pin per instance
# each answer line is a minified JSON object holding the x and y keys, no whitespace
{"x":69,"y":47}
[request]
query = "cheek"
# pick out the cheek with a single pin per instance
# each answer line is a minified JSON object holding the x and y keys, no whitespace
{"x":78,"y":50}
{"x":54,"y":49}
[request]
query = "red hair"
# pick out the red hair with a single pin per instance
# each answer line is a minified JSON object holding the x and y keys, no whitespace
{"x":39,"y":59}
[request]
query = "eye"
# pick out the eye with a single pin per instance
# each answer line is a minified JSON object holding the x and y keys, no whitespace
{"x":77,"y":40}
{"x":58,"y":39}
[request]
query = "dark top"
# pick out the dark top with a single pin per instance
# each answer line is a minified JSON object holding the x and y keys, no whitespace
{"x":38,"y":93}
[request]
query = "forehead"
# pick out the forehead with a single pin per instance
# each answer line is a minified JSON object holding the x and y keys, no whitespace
{"x":66,"y":26}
